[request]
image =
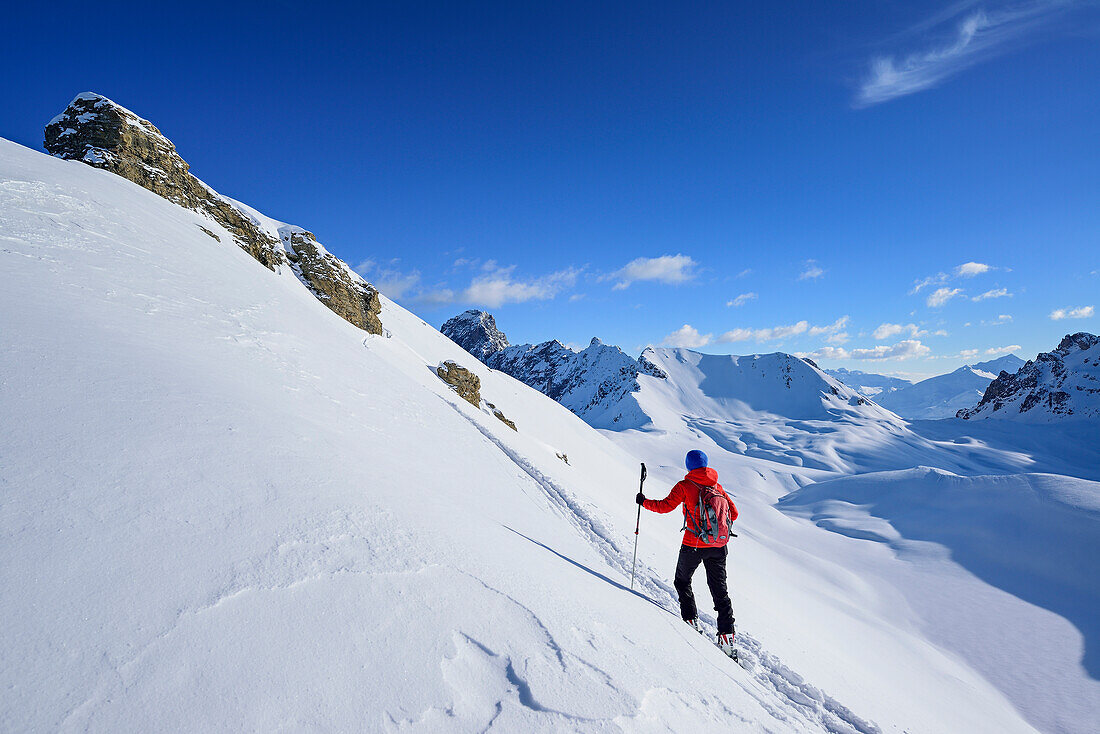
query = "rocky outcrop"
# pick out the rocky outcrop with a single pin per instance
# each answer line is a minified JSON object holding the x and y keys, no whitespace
{"x":103,"y":134}
{"x":462,"y":381}
{"x":499,"y":415}
{"x":95,"y":130}
{"x":477,"y":333}
{"x":1063,"y":383}
{"x":590,"y":382}
{"x":332,"y":281}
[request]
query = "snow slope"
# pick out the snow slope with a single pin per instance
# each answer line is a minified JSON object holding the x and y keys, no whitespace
{"x":225,"y":508}
{"x":771,"y":427}
{"x":1034,"y":538}
{"x":944,"y":395}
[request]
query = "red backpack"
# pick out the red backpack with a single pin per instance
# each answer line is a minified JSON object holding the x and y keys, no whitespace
{"x":713,"y":511}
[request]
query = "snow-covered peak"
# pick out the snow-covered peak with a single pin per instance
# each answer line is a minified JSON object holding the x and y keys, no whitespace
{"x":476,"y":332}
{"x":1064,"y":383}
{"x":777,"y":383}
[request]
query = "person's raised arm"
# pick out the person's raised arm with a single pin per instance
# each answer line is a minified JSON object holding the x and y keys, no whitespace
{"x":668,"y":504}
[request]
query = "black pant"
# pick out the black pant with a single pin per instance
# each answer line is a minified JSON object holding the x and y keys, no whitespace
{"x":714,"y":561}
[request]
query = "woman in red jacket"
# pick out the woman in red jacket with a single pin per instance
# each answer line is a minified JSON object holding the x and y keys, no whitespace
{"x":705,"y":539}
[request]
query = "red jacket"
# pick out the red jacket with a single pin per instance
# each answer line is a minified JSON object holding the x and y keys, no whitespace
{"x":688,"y":494}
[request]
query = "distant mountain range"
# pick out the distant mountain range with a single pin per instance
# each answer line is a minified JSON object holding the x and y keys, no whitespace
{"x":944,"y":395}
{"x":868,"y":383}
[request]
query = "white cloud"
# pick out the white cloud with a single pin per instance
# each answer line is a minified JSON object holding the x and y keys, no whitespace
{"x":672,"y":269}
{"x":996,"y":293}
{"x":742,"y":299}
{"x":907,"y":349}
{"x":925,"y":282}
{"x":1081,"y":312}
{"x":687,"y":336}
{"x":812,"y":271}
{"x":887,"y":330}
{"x":775,"y":333}
{"x":840,"y":337}
{"x":968,"y":353}
{"x":832,"y":328}
{"x":940,"y":332}
{"x":1003,"y":318}
{"x":976,"y":35}
{"x":970,"y":269}
{"x":744,"y":273}
{"x":497,"y":286}
{"x":994,"y":351}
{"x":942,"y":295}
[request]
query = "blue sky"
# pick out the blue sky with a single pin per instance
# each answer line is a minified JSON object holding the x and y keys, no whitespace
{"x":893,"y":187}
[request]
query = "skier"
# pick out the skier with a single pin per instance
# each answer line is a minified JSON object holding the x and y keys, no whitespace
{"x":705,"y":538}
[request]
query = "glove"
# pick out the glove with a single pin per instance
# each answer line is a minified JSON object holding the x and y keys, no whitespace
{"x":640,"y":498}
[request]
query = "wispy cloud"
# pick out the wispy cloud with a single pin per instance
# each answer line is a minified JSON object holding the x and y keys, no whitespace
{"x":969,"y":270}
{"x":742,"y":299}
{"x":942,"y":295}
{"x":687,"y":336}
{"x":1081,"y":312}
{"x":995,"y":293}
{"x":833,"y":331}
{"x":885,"y":331}
{"x":812,"y":271}
{"x":954,"y":39}
{"x":492,"y":288}
{"x":907,"y":349}
{"x":672,"y":269}
{"x":996,"y":351}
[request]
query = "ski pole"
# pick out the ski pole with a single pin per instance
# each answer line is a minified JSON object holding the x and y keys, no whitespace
{"x":637,"y":525}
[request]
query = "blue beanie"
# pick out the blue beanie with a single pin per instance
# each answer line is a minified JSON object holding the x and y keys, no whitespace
{"x":696,"y":459}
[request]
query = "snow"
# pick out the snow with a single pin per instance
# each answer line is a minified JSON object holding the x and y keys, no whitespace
{"x":225,"y":508}
{"x":1025,"y":535}
{"x":944,"y":395}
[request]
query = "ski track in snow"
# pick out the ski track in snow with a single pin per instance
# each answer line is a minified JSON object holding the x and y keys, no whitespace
{"x":807,"y":705}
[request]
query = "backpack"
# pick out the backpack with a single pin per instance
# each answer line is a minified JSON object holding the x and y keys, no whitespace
{"x":714,"y":517}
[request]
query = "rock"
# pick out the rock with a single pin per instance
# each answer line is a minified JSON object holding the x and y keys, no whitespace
{"x":477,"y":333}
{"x":95,"y":130}
{"x":332,"y":281}
{"x":462,"y":381}
{"x":499,"y":414}
{"x":588,"y":382}
{"x":564,"y":457}
{"x":103,"y":134}
{"x":1059,"y":384}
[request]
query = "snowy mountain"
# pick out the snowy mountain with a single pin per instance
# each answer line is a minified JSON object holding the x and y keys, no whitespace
{"x":868,"y":383}
{"x":477,"y":333}
{"x":217,"y":482}
{"x":944,"y":395}
{"x":596,"y":383}
{"x":1055,"y":385}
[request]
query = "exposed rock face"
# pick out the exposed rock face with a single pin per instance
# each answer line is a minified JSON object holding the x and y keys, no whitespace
{"x":1060,"y":384}
{"x":95,"y":130}
{"x":464,"y":382}
{"x":590,"y":382}
{"x":477,"y":333}
{"x":499,"y":415}
{"x":332,"y":281}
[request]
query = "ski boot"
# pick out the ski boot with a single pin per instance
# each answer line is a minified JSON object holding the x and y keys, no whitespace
{"x":696,"y":625}
{"x":725,"y":644}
